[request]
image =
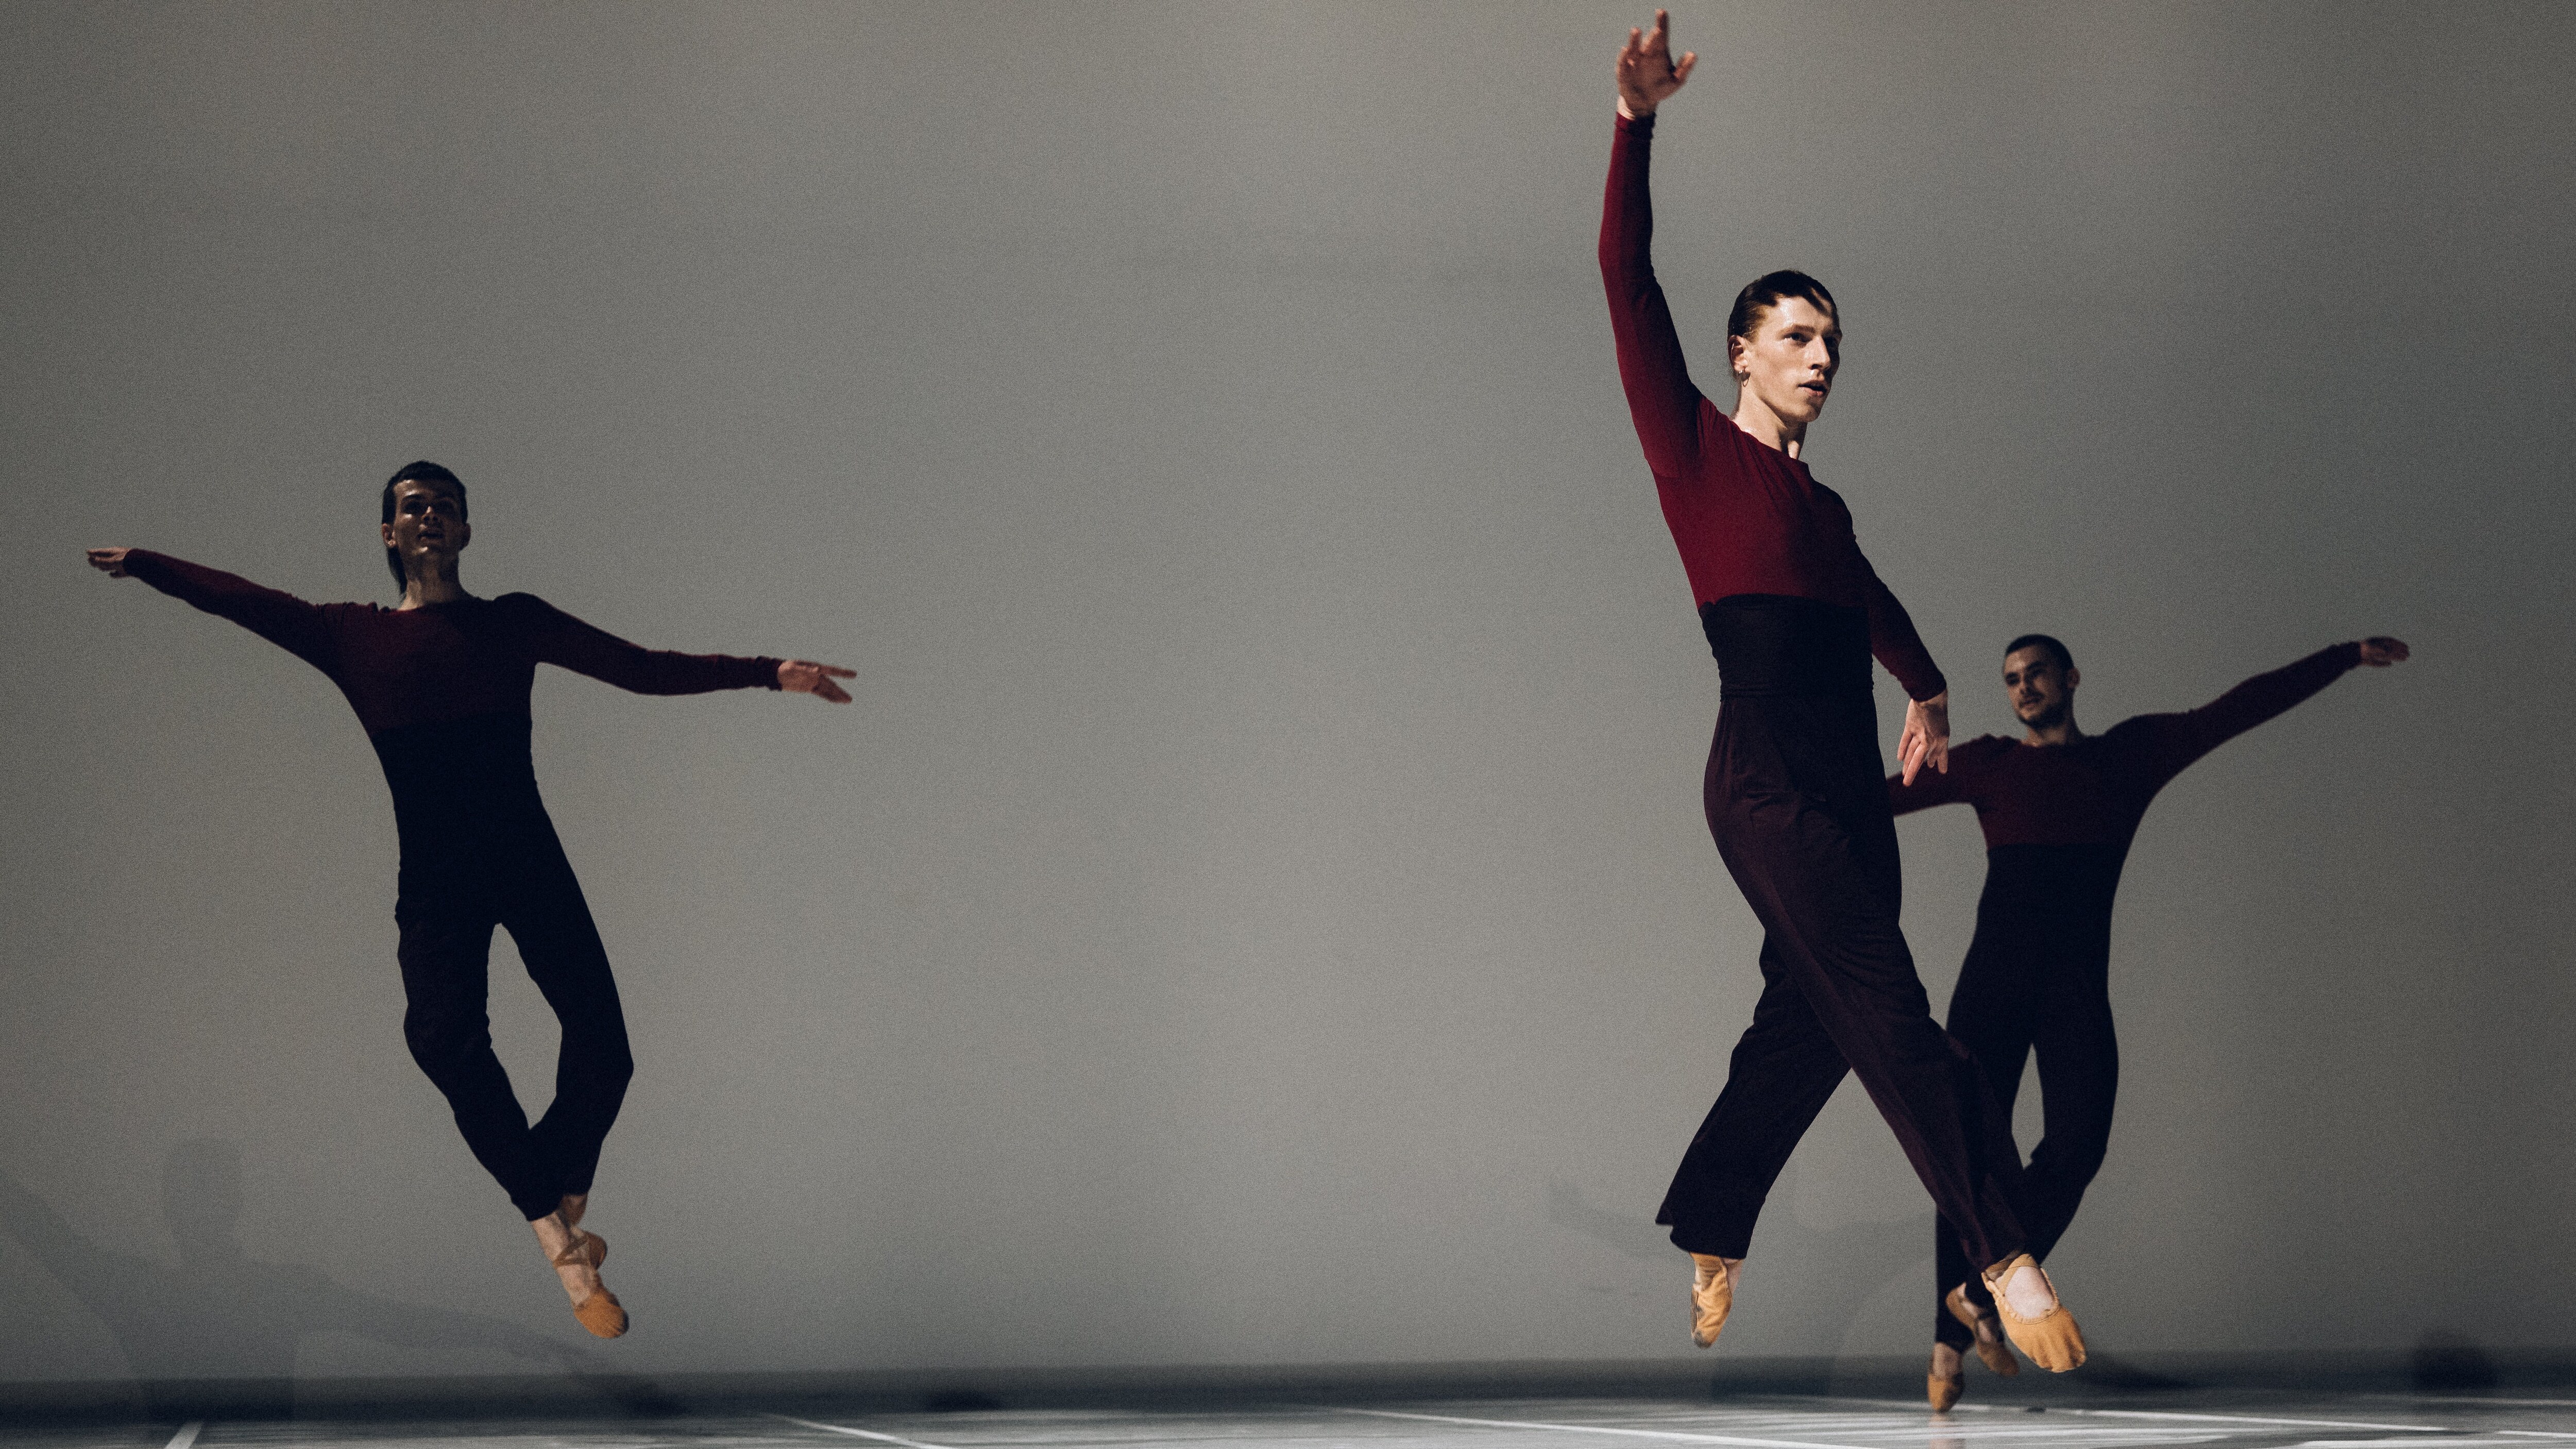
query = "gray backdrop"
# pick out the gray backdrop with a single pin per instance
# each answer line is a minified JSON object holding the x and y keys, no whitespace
{"x":1258,"y":910}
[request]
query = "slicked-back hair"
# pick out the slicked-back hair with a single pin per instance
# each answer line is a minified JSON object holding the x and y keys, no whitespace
{"x":2065,"y":661}
{"x":1765,"y":292}
{"x":423,"y":471}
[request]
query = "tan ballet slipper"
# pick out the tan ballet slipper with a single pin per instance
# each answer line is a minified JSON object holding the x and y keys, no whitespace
{"x":2052,"y":1340}
{"x":1992,"y":1351}
{"x":600,"y":1312}
{"x":1944,"y":1389}
{"x":1712,"y":1296}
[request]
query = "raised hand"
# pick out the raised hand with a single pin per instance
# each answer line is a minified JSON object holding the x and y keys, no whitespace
{"x":111,"y":562}
{"x":1646,"y":70}
{"x":2379,"y":651}
{"x":1927,"y":736}
{"x":804,"y":676}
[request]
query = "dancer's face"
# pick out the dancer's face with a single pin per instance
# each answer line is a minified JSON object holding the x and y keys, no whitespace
{"x":2039,"y":692}
{"x":1788,"y":363}
{"x":428,"y":521}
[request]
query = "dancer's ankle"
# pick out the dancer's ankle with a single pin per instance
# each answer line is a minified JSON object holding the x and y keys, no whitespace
{"x":2028,"y":1291}
{"x":553,"y":1233}
{"x":1946,"y":1360}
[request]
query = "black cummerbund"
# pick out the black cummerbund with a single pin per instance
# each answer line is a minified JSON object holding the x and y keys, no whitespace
{"x":1778,"y":644}
{"x":458,"y":778}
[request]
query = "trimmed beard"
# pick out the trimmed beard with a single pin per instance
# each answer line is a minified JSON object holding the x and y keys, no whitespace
{"x":2047,"y":719}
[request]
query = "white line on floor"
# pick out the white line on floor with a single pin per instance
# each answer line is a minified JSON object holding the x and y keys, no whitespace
{"x":187,"y":1434}
{"x":2473,"y":1399}
{"x":855,"y":1433}
{"x":2250,"y":1419}
{"x":1669,"y":1435}
{"x":2144,"y":1414}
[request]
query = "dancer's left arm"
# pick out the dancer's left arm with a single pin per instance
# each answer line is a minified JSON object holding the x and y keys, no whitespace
{"x":2184,"y":738}
{"x":558,"y":638}
{"x":1926,"y":739}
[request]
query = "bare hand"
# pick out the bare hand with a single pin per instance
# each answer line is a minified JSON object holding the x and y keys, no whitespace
{"x":804,"y":676}
{"x":1927,"y":736}
{"x":111,"y":562}
{"x":1646,"y":72}
{"x":2379,"y":651}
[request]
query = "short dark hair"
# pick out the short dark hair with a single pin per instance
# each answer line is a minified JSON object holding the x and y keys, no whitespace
{"x":423,"y":471}
{"x":2065,"y":660}
{"x":1765,"y":293}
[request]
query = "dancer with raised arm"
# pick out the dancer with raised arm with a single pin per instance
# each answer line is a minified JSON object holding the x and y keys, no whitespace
{"x":2059,"y":808}
{"x":1794,"y":614}
{"x":441,"y":684}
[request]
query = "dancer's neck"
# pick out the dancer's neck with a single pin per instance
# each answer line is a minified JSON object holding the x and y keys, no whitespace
{"x":2063,"y":732}
{"x":1767,"y":427}
{"x":440,"y":586}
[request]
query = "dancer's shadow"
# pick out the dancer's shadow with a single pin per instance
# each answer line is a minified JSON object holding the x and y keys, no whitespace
{"x":223,"y":1326}
{"x":1864,"y":1257}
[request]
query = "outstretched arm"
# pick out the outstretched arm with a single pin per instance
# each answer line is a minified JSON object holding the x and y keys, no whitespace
{"x":282,"y":619}
{"x":558,"y":638}
{"x":1943,"y":786}
{"x":2184,"y":738}
{"x":1662,"y":400}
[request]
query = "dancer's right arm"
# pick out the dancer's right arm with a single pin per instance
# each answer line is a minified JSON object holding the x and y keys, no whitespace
{"x":1661,"y":397}
{"x":282,"y":619}
{"x":1965,"y":782}
{"x":1929,"y":788}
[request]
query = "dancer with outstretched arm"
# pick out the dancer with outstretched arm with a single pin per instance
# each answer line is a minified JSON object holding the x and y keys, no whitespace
{"x":2059,"y":808}
{"x":441,"y":684}
{"x":1794,"y":613}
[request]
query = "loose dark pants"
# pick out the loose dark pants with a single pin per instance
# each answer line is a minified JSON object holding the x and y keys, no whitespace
{"x":512,"y":873}
{"x":2037,"y":978}
{"x":1797,"y":800}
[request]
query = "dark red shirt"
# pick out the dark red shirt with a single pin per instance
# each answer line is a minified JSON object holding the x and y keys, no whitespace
{"x":442,"y":662}
{"x":1748,"y":518}
{"x":2094,"y":789}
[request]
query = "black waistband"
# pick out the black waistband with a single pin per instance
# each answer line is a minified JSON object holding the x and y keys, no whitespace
{"x":2054,"y":880}
{"x":448,"y":774}
{"x":1777,"y":644}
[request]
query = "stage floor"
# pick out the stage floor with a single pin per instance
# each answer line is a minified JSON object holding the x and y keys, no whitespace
{"x":2251,"y":1420}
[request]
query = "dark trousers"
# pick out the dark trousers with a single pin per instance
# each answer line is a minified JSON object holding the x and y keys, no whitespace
{"x":2037,"y":979}
{"x":454,"y":891}
{"x":1798,"y":803}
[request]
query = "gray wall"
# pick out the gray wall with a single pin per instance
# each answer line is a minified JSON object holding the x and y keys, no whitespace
{"x":1259,"y":909}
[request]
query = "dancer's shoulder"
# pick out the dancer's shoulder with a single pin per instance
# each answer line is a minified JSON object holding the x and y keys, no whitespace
{"x":523,"y":607}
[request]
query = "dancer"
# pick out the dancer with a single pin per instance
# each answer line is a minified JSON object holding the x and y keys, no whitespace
{"x":2059,"y":808}
{"x":441,"y":684}
{"x":1794,"y":613}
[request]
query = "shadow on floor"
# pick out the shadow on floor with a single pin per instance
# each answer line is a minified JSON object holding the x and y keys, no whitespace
{"x":218,"y":1332}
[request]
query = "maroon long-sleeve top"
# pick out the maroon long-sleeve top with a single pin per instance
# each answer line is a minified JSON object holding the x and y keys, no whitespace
{"x":2094,"y":789}
{"x":1748,"y":518}
{"x":442,"y":662}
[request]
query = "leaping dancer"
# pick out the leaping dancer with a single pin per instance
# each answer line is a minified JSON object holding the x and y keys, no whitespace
{"x":2059,"y":808}
{"x":1793,"y":793}
{"x":441,"y":684}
